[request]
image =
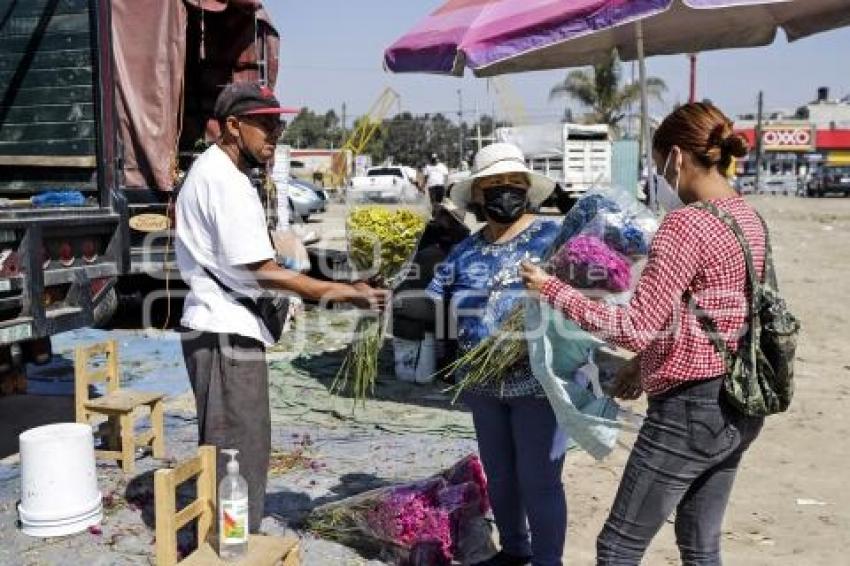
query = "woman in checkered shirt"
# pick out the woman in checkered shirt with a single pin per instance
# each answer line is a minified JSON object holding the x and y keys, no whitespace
{"x":691,"y":443}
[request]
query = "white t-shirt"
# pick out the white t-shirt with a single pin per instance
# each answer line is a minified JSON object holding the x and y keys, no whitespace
{"x":220,"y":225}
{"x":436,"y":175}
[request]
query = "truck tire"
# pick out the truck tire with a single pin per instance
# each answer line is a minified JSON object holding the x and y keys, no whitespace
{"x":105,"y":309}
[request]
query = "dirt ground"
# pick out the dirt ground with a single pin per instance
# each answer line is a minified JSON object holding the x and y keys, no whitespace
{"x":790,"y":505}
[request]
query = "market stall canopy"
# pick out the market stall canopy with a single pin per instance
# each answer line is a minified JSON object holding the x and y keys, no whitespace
{"x":494,"y":37}
{"x":171,"y":61}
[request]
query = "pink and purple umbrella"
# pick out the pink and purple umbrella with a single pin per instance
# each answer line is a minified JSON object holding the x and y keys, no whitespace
{"x":494,"y":37}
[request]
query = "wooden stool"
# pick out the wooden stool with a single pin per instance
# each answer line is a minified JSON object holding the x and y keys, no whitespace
{"x":118,"y":405}
{"x":262,"y":550}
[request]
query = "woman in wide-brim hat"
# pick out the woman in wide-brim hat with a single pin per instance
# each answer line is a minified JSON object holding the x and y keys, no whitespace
{"x":514,"y":422}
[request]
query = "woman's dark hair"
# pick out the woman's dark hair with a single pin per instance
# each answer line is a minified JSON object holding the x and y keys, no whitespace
{"x":704,"y":131}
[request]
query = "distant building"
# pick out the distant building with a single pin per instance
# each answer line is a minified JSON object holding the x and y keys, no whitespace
{"x":826,"y":113}
{"x":795,"y":143}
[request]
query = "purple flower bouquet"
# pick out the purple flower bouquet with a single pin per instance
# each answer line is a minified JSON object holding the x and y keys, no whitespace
{"x":587,"y":262}
{"x":600,"y":249}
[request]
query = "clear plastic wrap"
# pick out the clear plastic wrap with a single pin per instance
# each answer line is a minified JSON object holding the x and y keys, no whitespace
{"x":382,"y":239}
{"x":603,"y":244}
{"x":600,"y":250}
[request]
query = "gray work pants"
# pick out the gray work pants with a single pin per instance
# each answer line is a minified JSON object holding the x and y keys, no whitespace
{"x":230,"y":380}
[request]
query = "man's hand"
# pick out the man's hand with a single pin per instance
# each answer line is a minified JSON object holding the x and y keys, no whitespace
{"x":270,"y":275}
{"x":627,"y":384}
{"x":367,"y":297}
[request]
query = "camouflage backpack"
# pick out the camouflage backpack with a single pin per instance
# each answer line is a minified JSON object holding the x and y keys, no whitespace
{"x":760,"y":375}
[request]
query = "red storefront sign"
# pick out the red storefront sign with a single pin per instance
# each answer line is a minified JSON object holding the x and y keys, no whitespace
{"x":799,"y":138}
{"x":788,"y":138}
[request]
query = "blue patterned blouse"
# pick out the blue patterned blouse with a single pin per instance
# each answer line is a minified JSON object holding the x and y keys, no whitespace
{"x":481,"y":281}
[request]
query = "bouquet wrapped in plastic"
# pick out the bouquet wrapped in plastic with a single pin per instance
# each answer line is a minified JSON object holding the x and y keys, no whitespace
{"x":382,"y":239}
{"x":601,"y":249}
{"x":423,"y":523}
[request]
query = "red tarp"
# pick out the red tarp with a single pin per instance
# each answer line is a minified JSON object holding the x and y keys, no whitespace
{"x":172,"y":57}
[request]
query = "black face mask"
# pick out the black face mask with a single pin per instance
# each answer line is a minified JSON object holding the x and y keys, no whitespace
{"x":505,"y":204}
{"x":251,"y":161}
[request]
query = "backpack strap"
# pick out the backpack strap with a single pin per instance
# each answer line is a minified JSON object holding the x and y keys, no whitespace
{"x":753,"y":279}
{"x":753,"y":283}
{"x":710,"y":330}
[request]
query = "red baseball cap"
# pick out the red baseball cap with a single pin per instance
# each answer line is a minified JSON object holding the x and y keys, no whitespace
{"x":248,"y":99}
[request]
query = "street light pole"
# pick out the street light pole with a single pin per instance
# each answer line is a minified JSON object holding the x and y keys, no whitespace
{"x":477,"y":126}
{"x":759,"y":148}
{"x":460,"y":126}
{"x":693,"y":95}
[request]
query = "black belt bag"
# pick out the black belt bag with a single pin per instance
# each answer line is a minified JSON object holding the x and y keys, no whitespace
{"x":272,"y":310}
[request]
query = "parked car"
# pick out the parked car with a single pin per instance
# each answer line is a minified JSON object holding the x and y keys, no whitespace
{"x":768,"y":185}
{"x":829,"y":179}
{"x":778,"y":185}
{"x":321,"y":204}
{"x":387,"y":183}
{"x":745,"y":184}
{"x":302,"y":201}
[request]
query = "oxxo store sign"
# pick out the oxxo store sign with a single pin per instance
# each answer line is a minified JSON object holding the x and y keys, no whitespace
{"x":788,"y":138}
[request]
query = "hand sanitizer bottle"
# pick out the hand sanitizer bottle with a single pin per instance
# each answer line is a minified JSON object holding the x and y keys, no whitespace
{"x":232,"y":511}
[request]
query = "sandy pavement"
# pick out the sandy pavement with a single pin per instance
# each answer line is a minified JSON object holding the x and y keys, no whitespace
{"x":791,"y":504}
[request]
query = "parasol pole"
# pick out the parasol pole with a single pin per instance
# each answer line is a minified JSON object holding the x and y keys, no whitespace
{"x":645,"y":142}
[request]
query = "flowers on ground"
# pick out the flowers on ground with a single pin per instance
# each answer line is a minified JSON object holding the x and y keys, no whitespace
{"x":422,"y":523}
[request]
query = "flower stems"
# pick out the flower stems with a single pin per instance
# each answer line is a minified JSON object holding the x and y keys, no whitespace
{"x":359,"y":370}
{"x":490,"y":360}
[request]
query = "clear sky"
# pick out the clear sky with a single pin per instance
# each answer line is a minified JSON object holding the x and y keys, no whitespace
{"x":332,"y":50}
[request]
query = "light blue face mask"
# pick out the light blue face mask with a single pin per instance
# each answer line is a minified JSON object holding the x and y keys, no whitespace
{"x":667,"y":197}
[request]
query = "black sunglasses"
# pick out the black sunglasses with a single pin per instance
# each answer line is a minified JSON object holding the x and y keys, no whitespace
{"x":274,"y":125}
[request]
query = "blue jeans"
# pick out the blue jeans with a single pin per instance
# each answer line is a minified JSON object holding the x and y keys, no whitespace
{"x":685,"y":459}
{"x":515,"y":437}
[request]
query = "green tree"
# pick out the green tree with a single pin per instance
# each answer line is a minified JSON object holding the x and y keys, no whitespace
{"x":601,"y":90}
{"x":309,"y":129}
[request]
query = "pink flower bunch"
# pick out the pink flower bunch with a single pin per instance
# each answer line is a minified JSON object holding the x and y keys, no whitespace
{"x":424,"y":523}
{"x":589,"y":263}
{"x":402,"y":516}
{"x":408,"y":516}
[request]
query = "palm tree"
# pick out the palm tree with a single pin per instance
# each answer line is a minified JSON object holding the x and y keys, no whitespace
{"x":600,"y":90}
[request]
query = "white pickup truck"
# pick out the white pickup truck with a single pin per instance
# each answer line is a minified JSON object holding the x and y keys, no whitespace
{"x":389,"y":183}
{"x":576,"y":156}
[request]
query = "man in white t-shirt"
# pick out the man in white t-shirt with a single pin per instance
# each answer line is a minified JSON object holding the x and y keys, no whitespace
{"x":224,"y":251}
{"x":436,"y":176}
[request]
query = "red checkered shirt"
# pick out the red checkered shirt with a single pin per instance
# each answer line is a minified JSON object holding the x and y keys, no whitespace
{"x":694,"y":252}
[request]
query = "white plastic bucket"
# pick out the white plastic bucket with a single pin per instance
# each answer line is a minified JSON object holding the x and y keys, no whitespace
{"x":415,"y":360}
{"x":59,"y":492}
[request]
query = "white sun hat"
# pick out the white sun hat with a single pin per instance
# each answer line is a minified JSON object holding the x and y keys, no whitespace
{"x":499,"y":159}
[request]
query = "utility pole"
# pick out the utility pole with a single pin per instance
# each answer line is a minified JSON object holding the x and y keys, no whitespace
{"x":477,"y":126}
{"x":693,"y":95}
{"x":759,"y":141}
{"x":343,"y":121}
{"x":460,"y":126}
